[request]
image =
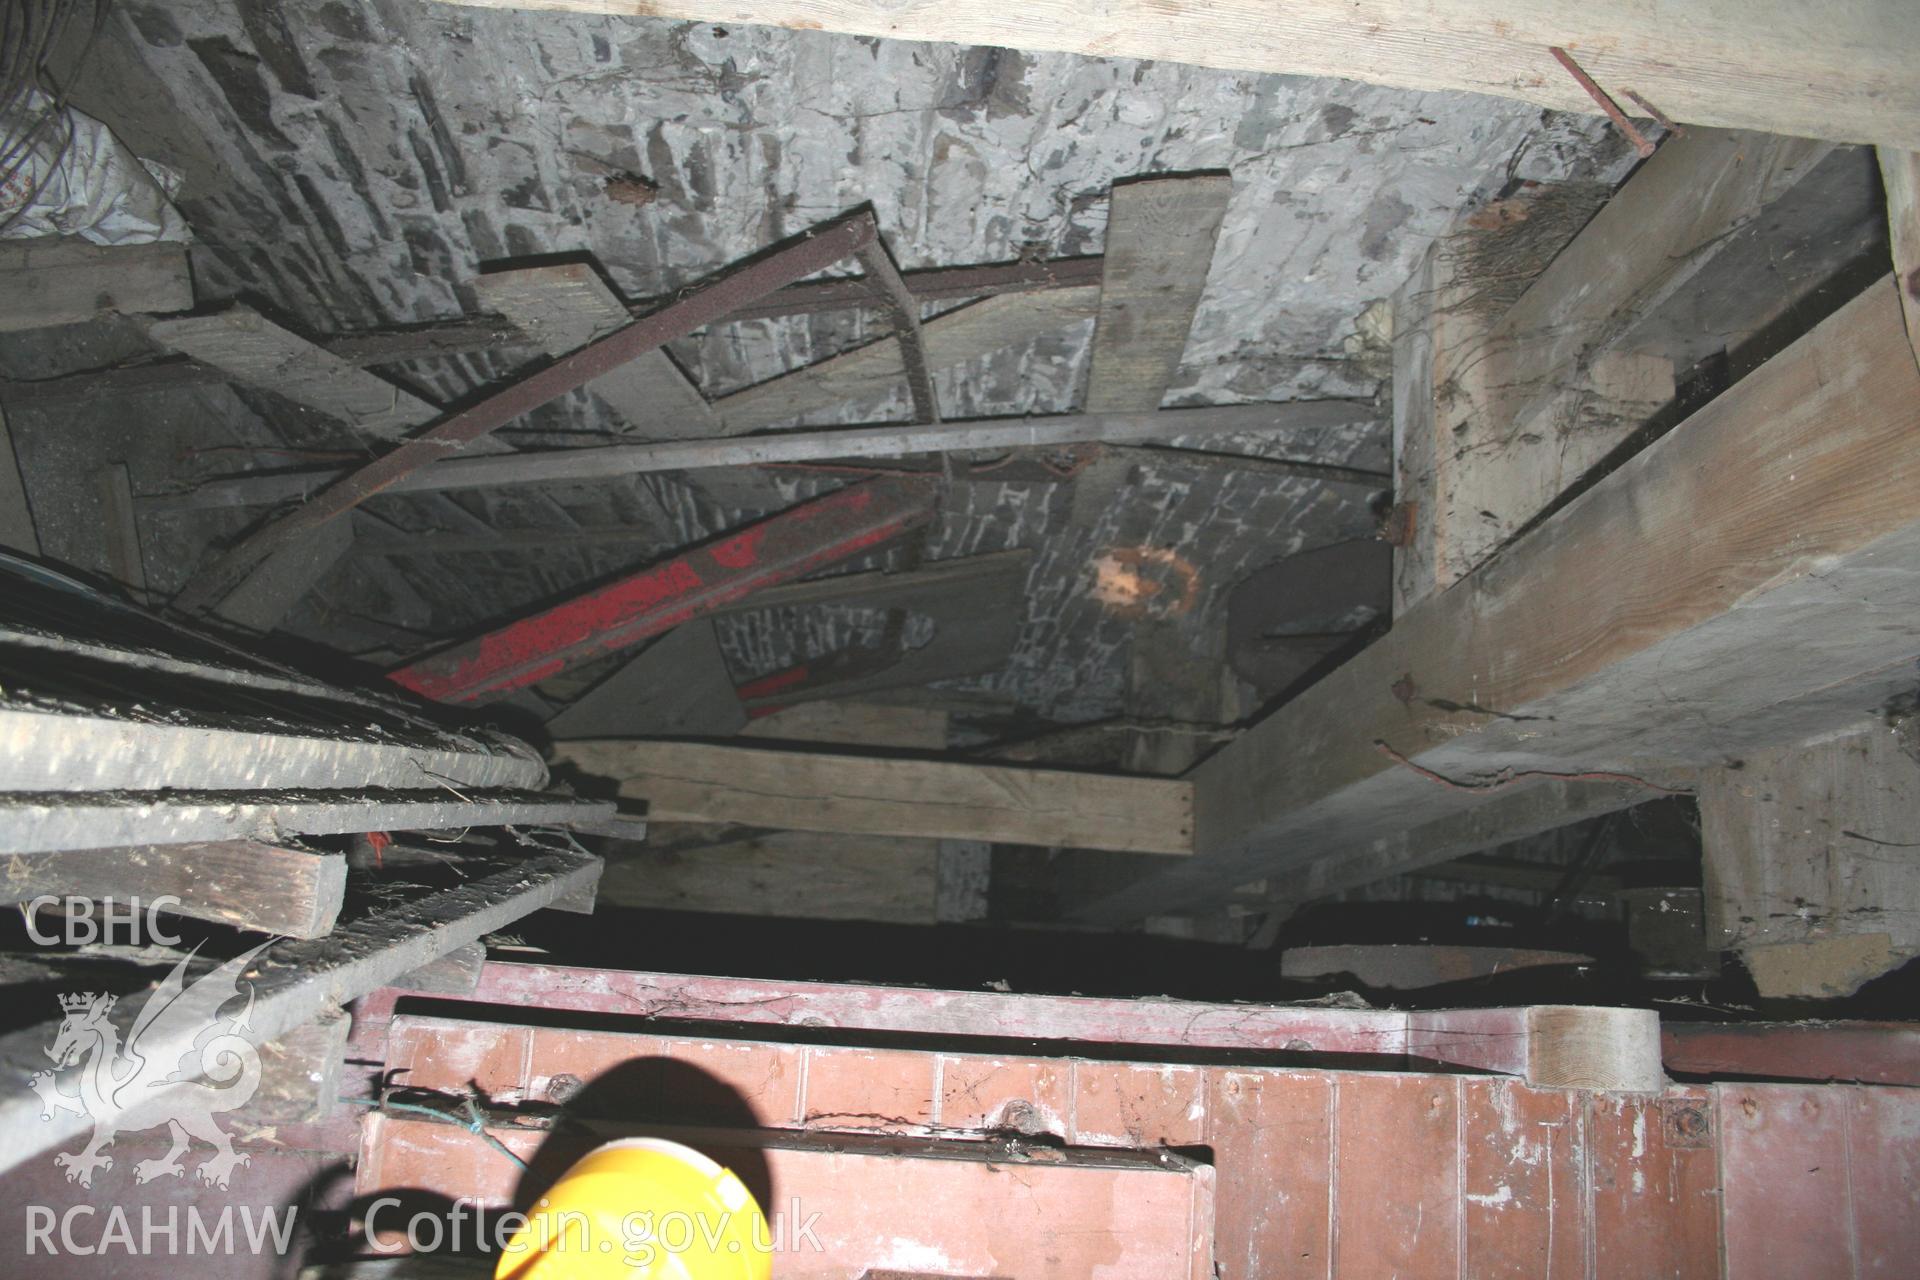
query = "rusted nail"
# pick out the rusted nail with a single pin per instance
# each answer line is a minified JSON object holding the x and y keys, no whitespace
{"x":1656,"y":114}
{"x":1607,"y":104}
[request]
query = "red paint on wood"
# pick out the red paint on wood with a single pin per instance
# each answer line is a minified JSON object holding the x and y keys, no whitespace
{"x":1117,"y":1104}
{"x":1867,"y":1052}
{"x":1523,"y":1181}
{"x":1271,"y":1137}
{"x":1396,"y":1188}
{"x":1788,"y":1205}
{"x":1656,"y":1209}
{"x":617,"y":616}
{"x":1883,"y":1141}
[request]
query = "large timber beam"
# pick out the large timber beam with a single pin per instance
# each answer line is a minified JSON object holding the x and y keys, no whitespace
{"x":866,"y":795}
{"x":1748,"y":579}
{"x":1838,"y":71}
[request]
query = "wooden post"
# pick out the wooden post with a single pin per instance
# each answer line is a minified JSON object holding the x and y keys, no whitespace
{"x":1809,"y":865}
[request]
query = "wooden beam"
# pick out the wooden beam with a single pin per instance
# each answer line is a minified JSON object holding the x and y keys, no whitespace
{"x":1807,"y":866}
{"x":1844,"y":73}
{"x":862,"y":795}
{"x":1160,"y":238}
{"x":806,"y":875}
{"x":611,"y":461}
{"x":480,"y":333}
{"x":272,"y":588}
{"x":251,"y":349}
{"x":871,"y":372}
{"x":1900,"y":175}
{"x":121,"y":526}
{"x":250,"y":884}
{"x":1498,"y":414}
{"x":1747,"y":578}
{"x":563,"y":308}
{"x":65,"y":281}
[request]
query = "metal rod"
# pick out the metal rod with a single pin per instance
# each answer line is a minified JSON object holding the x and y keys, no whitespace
{"x":813,"y":253}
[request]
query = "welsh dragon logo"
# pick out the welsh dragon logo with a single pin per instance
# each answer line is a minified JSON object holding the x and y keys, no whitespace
{"x":179,"y":1067}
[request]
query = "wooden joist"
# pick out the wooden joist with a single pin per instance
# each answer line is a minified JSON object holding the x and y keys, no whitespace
{"x":563,"y":308}
{"x":250,"y":884}
{"x":1681,"y":608}
{"x":607,"y":462}
{"x":863,"y":795}
{"x":269,"y":593}
{"x":65,"y":281}
{"x":1496,"y":415}
{"x":1160,"y":238}
{"x":256,"y":352}
{"x":1843,"y":72}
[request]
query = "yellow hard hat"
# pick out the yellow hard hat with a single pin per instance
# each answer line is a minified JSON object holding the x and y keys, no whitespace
{"x":642,"y":1209}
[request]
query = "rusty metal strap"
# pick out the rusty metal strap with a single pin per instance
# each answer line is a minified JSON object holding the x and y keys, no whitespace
{"x":815,"y":252}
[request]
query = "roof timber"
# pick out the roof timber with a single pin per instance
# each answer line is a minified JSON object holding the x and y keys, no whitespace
{"x":1841,"y":71}
{"x":1746,"y":579}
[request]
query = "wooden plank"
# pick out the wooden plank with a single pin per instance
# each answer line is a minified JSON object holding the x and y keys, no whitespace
{"x":66,"y":281}
{"x":562,"y":308}
{"x":547,"y":466}
{"x":1271,"y":1133}
{"x":481,"y":333}
{"x":863,"y":795}
{"x":1160,"y":237}
{"x":299,"y":1074}
{"x":1528,"y":403}
{"x":456,"y":973}
{"x":1900,"y":174}
{"x":871,"y":372}
{"x":295,"y":982}
{"x":250,"y":884}
{"x":1844,"y":74}
{"x":272,"y":588}
{"x":792,"y":874}
{"x":16,"y":516}
{"x":121,"y":526}
{"x":1793,"y":495}
{"x":253,"y":350}
{"x":1796,"y":866}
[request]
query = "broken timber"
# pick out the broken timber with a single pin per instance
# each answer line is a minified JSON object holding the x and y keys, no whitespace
{"x":616,"y":616}
{"x":1701,"y":574}
{"x":1001,"y":434}
{"x":862,"y":795}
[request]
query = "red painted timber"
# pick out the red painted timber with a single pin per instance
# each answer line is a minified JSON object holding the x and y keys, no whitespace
{"x":614,"y":617}
{"x":1865,"y":1052}
{"x":1319,"y":1173}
